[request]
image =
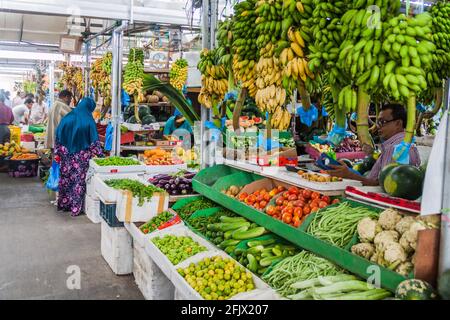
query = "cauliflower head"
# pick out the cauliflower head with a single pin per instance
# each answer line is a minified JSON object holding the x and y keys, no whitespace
{"x":367,"y":229}
{"x":389,"y":218}
{"x":406,"y":244}
{"x":365,"y":250}
{"x":412,"y":234}
{"x":394,"y":253}
{"x":404,"y":268}
{"x":384,"y":238}
{"x":403,"y":225}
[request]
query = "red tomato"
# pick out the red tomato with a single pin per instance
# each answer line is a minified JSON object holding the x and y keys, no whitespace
{"x":299,"y":203}
{"x":326,"y":199}
{"x":314,"y":203}
{"x":285,"y":203}
{"x":298,"y":212}
{"x":291,"y":204}
{"x":314,"y":209}
{"x":256,"y":193}
{"x":306,"y":211}
{"x":251,"y":199}
{"x":267,"y":197}
{"x":279,"y":201}
{"x":306,"y":194}
{"x":259,"y":198}
{"x":335,"y":201}
{"x":293,"y":190}
{"x":322,"y":204}
{"x":256,"y":206}
{"x":286,"y":194}
{"x":296,"y":221}
{"x":243,"y":195}
{"x":292,"y":197}
{"x":280,"y":188}
{"x":270,"y":210}
{"x":289,"y":210}
{"x":287,"y":218}
{"x":315,"y":195}
{"x":263,"y":204}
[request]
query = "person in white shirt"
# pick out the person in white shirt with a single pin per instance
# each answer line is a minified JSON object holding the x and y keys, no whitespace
{"x":18,"y":99}
{"x":21,"y":112}
{"x":38,"y":113}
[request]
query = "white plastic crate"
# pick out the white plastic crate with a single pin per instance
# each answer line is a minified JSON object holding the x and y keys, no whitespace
{"x":152,"y":282}
{"x":92,"y":209}
{"x":90,"y":188}
{"x":151,"y":171}
{"x":117,"y":249}
{"x":117,"y":169}
{"x":109,"y":194}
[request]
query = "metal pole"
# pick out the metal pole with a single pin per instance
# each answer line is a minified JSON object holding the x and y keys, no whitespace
{"x":117,"y":43}
{"x":444,"y":254}
{"x":87,"y":69}
{"x":206,"y":43}
{"x":51,"y":85}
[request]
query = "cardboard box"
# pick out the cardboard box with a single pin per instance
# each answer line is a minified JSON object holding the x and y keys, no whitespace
{"x":165,"y":143}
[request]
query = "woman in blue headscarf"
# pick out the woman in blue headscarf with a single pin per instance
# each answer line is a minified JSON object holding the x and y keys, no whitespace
{"x":76,"y":143}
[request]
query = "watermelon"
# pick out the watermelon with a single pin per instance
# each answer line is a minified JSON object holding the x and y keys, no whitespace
{"x":415,"y":289}
{"x":404,"y":181}
{"x":444,"y":285}
{"x":132,"y":119}
{"x":148,"y":119}
{"x":144,"y":111}
{"x":128,"y":113}
{"x":384,"y":172}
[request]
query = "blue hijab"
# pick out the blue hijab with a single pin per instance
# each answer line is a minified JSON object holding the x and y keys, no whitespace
{"x":77,"y":130}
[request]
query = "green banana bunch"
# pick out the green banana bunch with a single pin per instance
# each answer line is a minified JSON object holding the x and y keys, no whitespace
{"x":178,"y":73}
{"x":348,"y":99}
{"x":224,"y":40}
{"x":410,"y":53}
{"x":214,"y":77}
{"x":440,"y":13}
{"x":133,"y":76}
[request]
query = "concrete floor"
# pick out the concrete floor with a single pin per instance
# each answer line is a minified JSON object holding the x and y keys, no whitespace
{"x":38,"y":244}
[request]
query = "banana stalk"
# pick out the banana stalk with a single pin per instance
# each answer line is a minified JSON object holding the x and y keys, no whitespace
{"x":432,"y":113}
{"x":136,"y":108}
{"x":304,"y":96}
{"x":410,"y":118}
{"x":238,"y":108}
{"x":363,"y":117}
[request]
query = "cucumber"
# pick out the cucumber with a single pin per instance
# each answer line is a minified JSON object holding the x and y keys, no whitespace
{"x":248,"y":234}
{"x":239,"y":251}
{"x":266,"y":254}
{"x":277,"y":252}
{"x":229,"y":242}
{"x":268,"y":261}
{"x":230,"y":249}
{"x":224,"y":226}
{"x":255,"y":243}
{"x":252,"y":263}
{"x":227,"y":219}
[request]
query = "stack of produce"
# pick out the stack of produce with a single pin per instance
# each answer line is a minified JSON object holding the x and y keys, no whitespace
{"x":303,"y":266}
{"x":261,"y":254}
{"x":295,"y":204}
{"x":178,"y":73}
{"x":137,"y":188}
{"x":402,"y":181}
{"x":25,"y":156}
{"x":391,"y":240}
{"x":143,"y":112}
{"x":200,"y":223}
{"x":116,"y":161}
{"x":100,"y":76}
{"x":315,"y":177}
{"x":217,"y":278}
{"x":188,"y":209}
{"x":179,"y":183}
{"x":440,"y":12}
{"x":260,"y":198}
{"x":156,"y":222}
{"x":158,"y":157}
{"x":349,"y":145}
{"x":337,"y":287}
{"x":214,"y":77}
{"x":72,"y":78}
{"x":133,"y":77}
{"x":232,"y":191}
{"x":244,"y":44}
{"x":177,"y":248}
{"x":11,"y":149}
{"x":337,"y":225}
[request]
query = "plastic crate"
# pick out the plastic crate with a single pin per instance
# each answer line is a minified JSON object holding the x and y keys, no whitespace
{"x":108,"y":213}
{"x":23,"y":168}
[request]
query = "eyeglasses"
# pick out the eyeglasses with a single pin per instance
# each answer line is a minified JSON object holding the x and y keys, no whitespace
{"x":382,"y":123}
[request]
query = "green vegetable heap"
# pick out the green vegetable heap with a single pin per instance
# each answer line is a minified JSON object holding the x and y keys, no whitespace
{"x":191,"y":207}
{"x":138,"y":189}
{"x":337,"y":225}
{"x":200,"y":223}
{"x":217,"y":278}
{"x":178,"y":248}
{"x":156,"y":222}
{"x":116,"y":161}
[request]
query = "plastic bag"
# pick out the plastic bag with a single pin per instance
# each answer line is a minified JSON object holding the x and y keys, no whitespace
{"x":267,"y":144}
{"x":324,"y":112}
{"x":125,"y":98}
{"x":336,"y":135}
{"x":109,"y":137}
{"x":307,"y":117}
{"x":420,"y":107}
{"x":401,"y":153}
{"x":53,"y":179}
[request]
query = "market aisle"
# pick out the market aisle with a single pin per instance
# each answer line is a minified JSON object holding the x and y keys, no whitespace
{"x":38,"y":244}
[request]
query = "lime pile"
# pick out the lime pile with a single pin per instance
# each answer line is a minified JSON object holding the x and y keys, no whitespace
{"x":178,"y":248}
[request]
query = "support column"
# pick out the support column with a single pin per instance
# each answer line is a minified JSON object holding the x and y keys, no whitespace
{"x":87,"y":69}
{"x":51,"y":83}
{"x":116,"y":85}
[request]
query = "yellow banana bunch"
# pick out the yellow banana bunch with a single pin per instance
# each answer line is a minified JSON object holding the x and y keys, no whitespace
{"x":281,"y":119}
{"x":100,"y":77}
{"x":178,"y":73}
{"x":72,"y":78}
{"x":270,"y":93}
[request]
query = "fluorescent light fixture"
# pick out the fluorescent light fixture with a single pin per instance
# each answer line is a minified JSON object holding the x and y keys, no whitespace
{"x":37,"y":56}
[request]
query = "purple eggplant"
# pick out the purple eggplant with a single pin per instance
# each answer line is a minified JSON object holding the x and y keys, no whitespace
{"x":173,"y":186}
{"x":167,"y":186}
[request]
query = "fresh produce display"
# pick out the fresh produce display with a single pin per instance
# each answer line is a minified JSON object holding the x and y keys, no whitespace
{"x":415,"y":289}
{"x":260,"y":198}
{"x":201,"y":223}
{"x":440,"y":11}
{"x":25,"y":156}
{"x":259,"y":255}
{"x":322,"y":148}
{"x":390,"y":241}
{"x":217,"y":278}
{"x":337,"y":287}
{"x":158,"y":157}
{"x":315,"y":177}
{"x":156,"y":222}
{"x":232,"y":191}
{"x":133,"y":78}
{"x":349,"y":145}
{"x":177,"y":248}
{"x":178,"y":73}
{"x":193,"y":206}
{"x":231,"y":230}
{"x":73,"y":79}
{"x":100,"y":76}
{"x":116,"y":161}
{"x":179,"y":183}
{"x":303,"y":266}
{"x":337,"y":225}
{"x":11,"y":149}
{"x":403,"y":181}
{"x":214,"y":78}
{"x":137,"y":188}
{"x":295,"y":204}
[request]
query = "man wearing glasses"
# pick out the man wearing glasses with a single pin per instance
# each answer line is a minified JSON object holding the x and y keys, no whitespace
{"x":391,"y":125}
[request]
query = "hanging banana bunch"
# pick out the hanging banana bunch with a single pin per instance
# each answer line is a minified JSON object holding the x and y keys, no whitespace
{"x":214,"y":77}
{"x":100,"y":76}
{"x":178,"y":73}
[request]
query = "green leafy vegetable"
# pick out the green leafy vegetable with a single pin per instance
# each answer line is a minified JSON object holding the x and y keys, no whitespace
{"x":193,"y":206}
{"x":138,"y":189}
{"x":116,"y":161}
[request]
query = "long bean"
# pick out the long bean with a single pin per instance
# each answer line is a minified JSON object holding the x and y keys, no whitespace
{"x":303,"y":266}
{"x":337,"y":225}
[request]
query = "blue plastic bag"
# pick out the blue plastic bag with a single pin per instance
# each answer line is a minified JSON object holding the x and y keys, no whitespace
{"x":307,"y":117}
{"x":401,"y":152}
{"x":53,"y":179}
{"x":109,"y":137}
{"x":324,"y":112}
{"x":267,"y":144}
{"x":336,"y":135}
{"x":420,"y":107}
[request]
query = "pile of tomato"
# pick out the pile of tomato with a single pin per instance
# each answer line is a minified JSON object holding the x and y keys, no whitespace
{"x":294,"y":205}
{"x":260,"y":198}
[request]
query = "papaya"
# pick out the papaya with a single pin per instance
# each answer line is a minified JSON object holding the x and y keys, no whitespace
{"x":404,"y":181}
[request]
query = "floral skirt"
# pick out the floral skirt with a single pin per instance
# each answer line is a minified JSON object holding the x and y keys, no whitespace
{"x":72,"y":182}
